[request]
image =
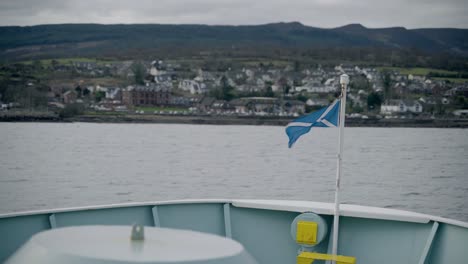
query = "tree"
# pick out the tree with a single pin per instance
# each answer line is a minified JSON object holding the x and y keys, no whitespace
{"x":297,"y":66}
{"x":269,"y":92}
{"x":360,"y":83}
{"x":387,"y":83}
{"x":302,"y":98}
{"x":139,"y":72}
{"x":374,"y":100}
{"x":224,"y":91}
{"x":37,"y":64}
{"x":227,"y":91}
{"x":27,"y":97}
{"x":357,"y":109}
{"x":78,"y":91}
{"x":54,"y":64}
{"x":71,"y":110}
{"x":99,"y":95}
{"x":283,"y":84}
{"x":86,"y":92}
{"x":461,"y":102}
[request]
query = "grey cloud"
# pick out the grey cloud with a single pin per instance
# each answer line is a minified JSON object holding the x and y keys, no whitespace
{"x":320,"y":13}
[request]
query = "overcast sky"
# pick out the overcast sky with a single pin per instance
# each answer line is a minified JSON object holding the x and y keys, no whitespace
{"x":319,"y":13}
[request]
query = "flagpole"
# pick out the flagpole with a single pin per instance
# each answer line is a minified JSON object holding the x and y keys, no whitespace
{"x":344,"y":80}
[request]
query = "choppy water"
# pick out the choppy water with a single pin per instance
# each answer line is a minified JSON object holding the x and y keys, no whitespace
{"x":52,"y":165}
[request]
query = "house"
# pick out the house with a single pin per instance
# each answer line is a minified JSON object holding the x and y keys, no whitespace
{"x":163,"y":78}
{"x":248,"y":88}
{"x":358,"y":100}
{"x":263,"y":104}
{"x":294,"y":106}
{"x":260,"y":83}
{"x":256,"y":105}
{"x":400,"y":88}
{"x":114,"y":94}
{"x":267,"y":77}
{"x":84,"y":65}
{"x":401,"y":107}
{"x":101,"y":89}
{"x":69,"y":97}
{"x":416,"y":88}
{"x":55,"y":106}
{"x":275,"y":88}
{"x":204,"y":76}
{"x":224,"y":80}
{"x":413,"y":106}
{"x":309,"y":81}
{"x":206,"y":104}
{"x":221,"y":106}
{"x":194,"y":87}
{"x":249,"y":73}
{"x":154,"y":71}
{"x":348,"y":69}
{"x":459,"y":90}
{"x":461,"y":113}
{"x":240,"y":106}
{"x":317,"y":102}
{"x":322,"y":89}
{"x":148,"y":95}
{"x":180,"y":101}
{"x":59,"y":88}
{"x":331,"y":81}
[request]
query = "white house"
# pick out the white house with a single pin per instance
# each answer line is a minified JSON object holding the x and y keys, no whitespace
{"x":260,"y":82}
{"x":113,"y":93}
{"x":316,"y":89}
{"x":250,"y":73}
{"x":400,"y":106}
{"x":275,"y":88}
{"x":461,"y":113}
{"x":154,"y":71}
{"x":317,"y":102}
{"x":101,"y":89}
{"x":331,"y":81}
{"x":193,"y":86}
{"x":267,"y":78}
{"x":460,"y":90}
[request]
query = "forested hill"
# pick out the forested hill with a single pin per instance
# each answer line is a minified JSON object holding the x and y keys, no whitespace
{"x":143,"y":39}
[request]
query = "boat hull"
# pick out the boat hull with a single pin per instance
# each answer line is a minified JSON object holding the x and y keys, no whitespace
{"x":372,"y":235}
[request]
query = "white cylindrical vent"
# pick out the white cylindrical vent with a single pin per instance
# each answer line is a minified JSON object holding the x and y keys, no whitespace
{"x":113,"y":244}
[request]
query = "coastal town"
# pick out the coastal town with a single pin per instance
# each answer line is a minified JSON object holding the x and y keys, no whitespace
{"x":157,"y":87}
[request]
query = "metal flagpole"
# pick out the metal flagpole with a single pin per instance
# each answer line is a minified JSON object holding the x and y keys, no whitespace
{"x":344,"y":80}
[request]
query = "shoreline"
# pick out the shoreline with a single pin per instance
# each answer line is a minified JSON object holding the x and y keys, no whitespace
{"x":232,"y":120}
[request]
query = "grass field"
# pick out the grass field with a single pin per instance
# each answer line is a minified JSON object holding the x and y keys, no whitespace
{"x":100,"y":113}
{"x":68,"y":61}
{"x":454,"y":80}
{"x":416,"y":71}
{"x":151,"y":109}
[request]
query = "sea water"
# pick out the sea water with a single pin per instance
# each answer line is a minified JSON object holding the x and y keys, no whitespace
{"x":56,"y":165}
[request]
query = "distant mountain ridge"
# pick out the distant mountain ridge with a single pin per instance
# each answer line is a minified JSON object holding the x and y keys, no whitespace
{"x":94,"y":39}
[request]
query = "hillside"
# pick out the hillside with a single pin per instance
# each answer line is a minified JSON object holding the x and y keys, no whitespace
{"x":138,"y":40}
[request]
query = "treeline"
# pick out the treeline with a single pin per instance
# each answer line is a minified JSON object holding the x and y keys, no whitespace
{"x":463,"y":75}
{"x":285,"y":41}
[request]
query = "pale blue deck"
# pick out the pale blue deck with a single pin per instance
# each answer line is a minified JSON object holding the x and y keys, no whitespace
{"x":265,"y":233}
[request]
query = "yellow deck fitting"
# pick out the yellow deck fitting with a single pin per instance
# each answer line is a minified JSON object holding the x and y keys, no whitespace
{"x":309,"y":257}
{"x":306,"y":232}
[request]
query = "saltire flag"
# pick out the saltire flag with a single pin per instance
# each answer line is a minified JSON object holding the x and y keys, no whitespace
{"x":324,"y":117}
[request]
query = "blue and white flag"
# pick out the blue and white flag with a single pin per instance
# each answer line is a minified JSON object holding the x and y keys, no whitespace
{"x":325,"y":117}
